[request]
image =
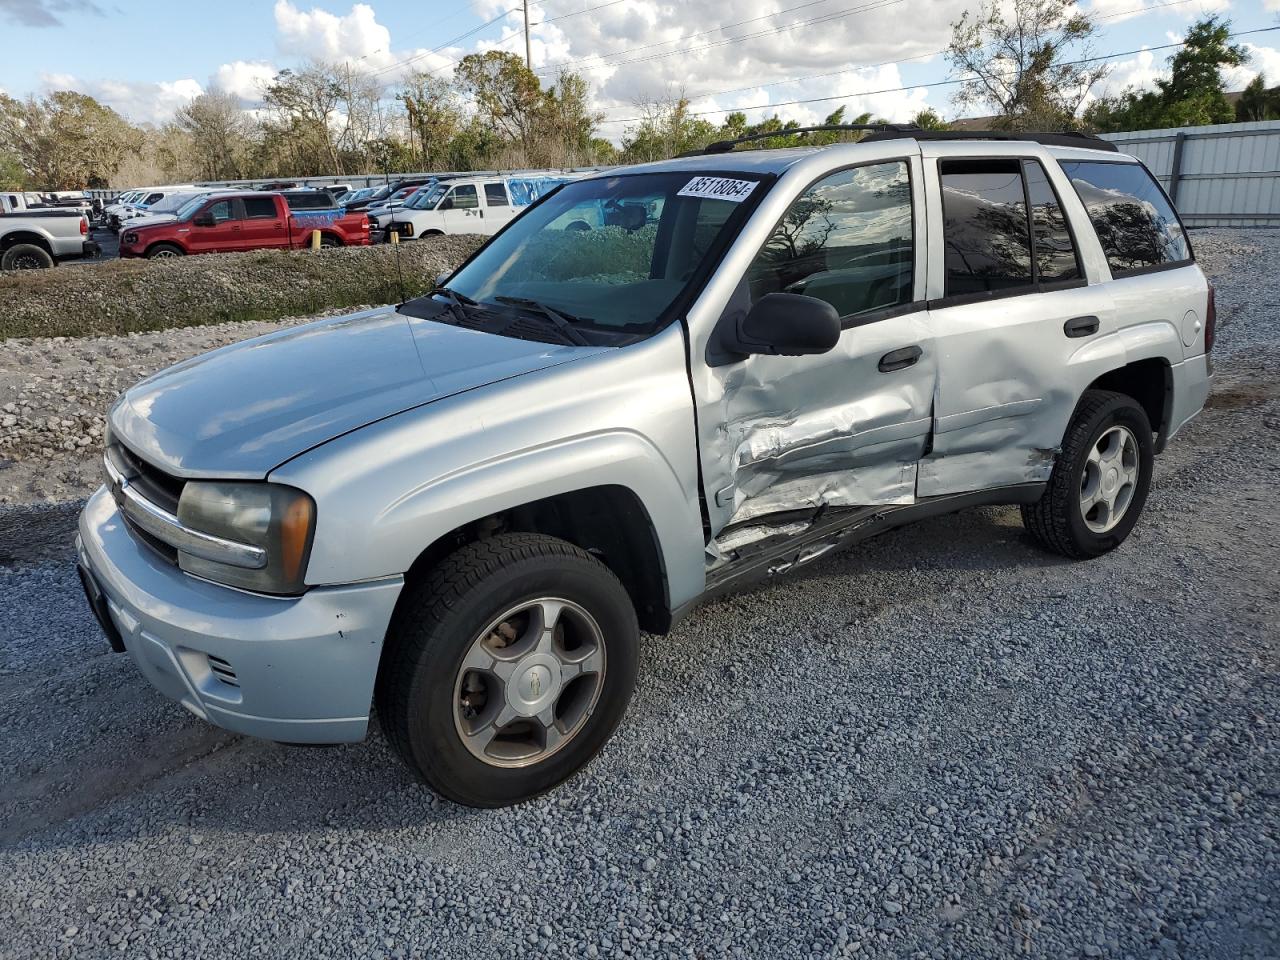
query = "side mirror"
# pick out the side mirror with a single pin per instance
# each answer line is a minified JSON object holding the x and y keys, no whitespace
{"x":786,"y":325}
{"x":205,"y":219}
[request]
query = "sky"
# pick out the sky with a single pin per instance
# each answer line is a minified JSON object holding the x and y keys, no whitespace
{"x":146,"y":58}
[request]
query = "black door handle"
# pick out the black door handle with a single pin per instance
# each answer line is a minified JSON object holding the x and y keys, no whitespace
{"x":1081,"y":326}
{"x":899,"y":359}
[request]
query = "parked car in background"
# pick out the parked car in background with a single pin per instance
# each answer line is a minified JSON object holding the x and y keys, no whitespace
{"x":352,"y":197}
{"x":465,"y":508}
{"x":150,"y":201}
{"x":171,"y":206}
{"x":382,"y":193}
{"x":32,"y":239}
{"x":246,"y":220}
{"x":466,"y":205}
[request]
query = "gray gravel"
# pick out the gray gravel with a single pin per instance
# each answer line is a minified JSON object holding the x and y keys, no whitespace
{"x":944,"y":743}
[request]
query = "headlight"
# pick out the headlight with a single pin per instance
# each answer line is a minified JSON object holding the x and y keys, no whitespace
{"x":130,"y":238}
{"x":279,"y":519}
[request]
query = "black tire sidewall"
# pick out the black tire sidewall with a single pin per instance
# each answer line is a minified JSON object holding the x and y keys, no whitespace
{"x":171,"y":248}
{"x":18,"y":250}
{"x":434,"y":743}
{"x":1120,"y":412}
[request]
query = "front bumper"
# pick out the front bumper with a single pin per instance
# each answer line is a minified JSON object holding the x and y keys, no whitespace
{"x":294,"y":669}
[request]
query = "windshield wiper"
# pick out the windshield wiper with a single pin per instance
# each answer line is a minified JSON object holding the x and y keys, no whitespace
{"x":456,"y":302}
{"x":562,"y":321}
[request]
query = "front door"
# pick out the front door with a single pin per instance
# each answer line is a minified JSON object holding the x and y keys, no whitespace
{"x":223,"y":235}
{"x":460,"y":210}
{"x":802,"y":435}
{"x":1015,"y":309}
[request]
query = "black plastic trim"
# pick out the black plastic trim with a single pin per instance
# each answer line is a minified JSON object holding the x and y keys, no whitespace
{"x":981,"y":296}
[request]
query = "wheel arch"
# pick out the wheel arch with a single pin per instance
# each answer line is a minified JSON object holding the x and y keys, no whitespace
{"x":164,"y":243}
{"x":1149,"y":382}
{"x":16,"y":237}
{"x":609,"y":521}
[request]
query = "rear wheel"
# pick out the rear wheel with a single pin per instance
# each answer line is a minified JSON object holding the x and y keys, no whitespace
{"x":328,"y":242}
{"x":508,"y":668}
{"x":162,"y":251}
{"x":1100,"y":482}
{"x":26,"y":256}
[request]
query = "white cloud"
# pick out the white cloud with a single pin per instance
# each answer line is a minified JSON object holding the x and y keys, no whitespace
{"x":243,"y":78}
{"x":321,"y":35}
{"x":1262,"y":60}
{"x":138,"y":101}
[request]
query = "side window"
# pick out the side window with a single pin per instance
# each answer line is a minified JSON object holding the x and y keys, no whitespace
{"x":259,"y":208}
{"x":985,"y":230}
{"x":495,"y":195}
{"x":462,"y":197}
{"x":846,"y":240}
{"x":221,"y":210}
{"x":1056,"y":259}
{"x":1136,"y":225}
{"x":153,"y":198}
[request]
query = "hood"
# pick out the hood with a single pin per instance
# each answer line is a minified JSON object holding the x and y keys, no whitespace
{"x":148,"y":220}
{"x":242,"y":410}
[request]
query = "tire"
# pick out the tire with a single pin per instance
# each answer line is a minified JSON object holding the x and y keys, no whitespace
{"x":425,"y":695}
{"x":328,"y":243}
{"x":1060,"y":520}
{"x":26,"y":256}
{"x":163,"y":251}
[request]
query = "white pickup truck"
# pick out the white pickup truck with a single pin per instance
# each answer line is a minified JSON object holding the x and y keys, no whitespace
{"x":33,"y":239}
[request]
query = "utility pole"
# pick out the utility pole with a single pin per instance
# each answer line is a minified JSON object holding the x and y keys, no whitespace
{"x":528,"y":58}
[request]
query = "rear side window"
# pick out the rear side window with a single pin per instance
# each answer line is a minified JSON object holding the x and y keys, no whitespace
{"x":985,"y":229}
{"x":1136,"y":224}
{"x":1004,"y":228}
{"x":846,"y":240}
{"x":153,"y":198}
{"x":495,"y":195}
{"x":259,"y":208}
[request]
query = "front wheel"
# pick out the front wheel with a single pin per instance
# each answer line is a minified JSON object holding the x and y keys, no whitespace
{"x":507,"y":668}
{"x":1099,"y":485}
{"x":164,"y":251}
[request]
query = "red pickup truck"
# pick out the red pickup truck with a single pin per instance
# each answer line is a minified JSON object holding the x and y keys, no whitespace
{"x":225,"y":223}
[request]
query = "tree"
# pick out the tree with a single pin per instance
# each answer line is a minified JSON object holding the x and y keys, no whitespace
{"x":305,"y":103}
{"x":507,"y":93}
{"x":567,"y":124}
{"x":434,"y":115}
{"x":667,"y":128}
{"x":1257,"y":102}
{"x":65,"y":141}
{"x":928,"y":119}
{"x":1020,"y":61}
{"x":221,"y":135}
{"x":1191,"y":96}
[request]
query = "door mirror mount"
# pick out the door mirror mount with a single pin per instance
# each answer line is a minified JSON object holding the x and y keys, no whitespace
{"x":782,"y":324}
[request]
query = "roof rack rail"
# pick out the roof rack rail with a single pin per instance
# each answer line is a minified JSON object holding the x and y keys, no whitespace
{"x":1061,"y":138}
{"x":726,"y":146}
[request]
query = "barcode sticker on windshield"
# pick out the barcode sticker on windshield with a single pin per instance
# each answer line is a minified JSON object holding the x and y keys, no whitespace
{"x":718,"y":188}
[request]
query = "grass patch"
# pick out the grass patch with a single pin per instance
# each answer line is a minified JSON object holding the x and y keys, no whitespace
{"x":130,"y":296}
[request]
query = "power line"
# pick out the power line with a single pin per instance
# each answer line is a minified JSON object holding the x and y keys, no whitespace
{"x":936,"y":83}
{"x":448,"y":43}
{"x":566,"y":16}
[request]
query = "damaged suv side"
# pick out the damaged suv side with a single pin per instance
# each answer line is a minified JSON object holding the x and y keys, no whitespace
{"x":657,"y":384}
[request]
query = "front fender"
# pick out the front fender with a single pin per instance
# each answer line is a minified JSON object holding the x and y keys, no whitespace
{"x":621,"y":418}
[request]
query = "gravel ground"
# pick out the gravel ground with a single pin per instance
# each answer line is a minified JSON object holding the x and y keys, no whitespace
{"x":943,"y":743}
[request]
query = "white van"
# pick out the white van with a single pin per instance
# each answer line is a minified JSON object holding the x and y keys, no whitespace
{"x":469,"y":204}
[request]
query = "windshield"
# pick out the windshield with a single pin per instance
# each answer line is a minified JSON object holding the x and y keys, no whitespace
{"x":192,"y":204}
{"x":428,"y":197}
{"x":612,"y":253}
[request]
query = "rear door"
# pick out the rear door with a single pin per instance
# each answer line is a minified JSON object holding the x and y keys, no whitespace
{"x":1010,"y":306}
{"x":845,"y":429}
{"x":262,"y":226}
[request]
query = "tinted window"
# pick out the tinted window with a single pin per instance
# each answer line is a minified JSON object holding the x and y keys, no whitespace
{"x":221,"y":210}
{"x":152,"y":198}
{"x":846,"y":240}
{"x":462,"y":197}
{"x":259,"y":208}
{"x":985,"y":232}
{"x":1055,"y":252}
{"x":495,"y":195}
{"x":308,"y":201}
{"x":1135,"y":223}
